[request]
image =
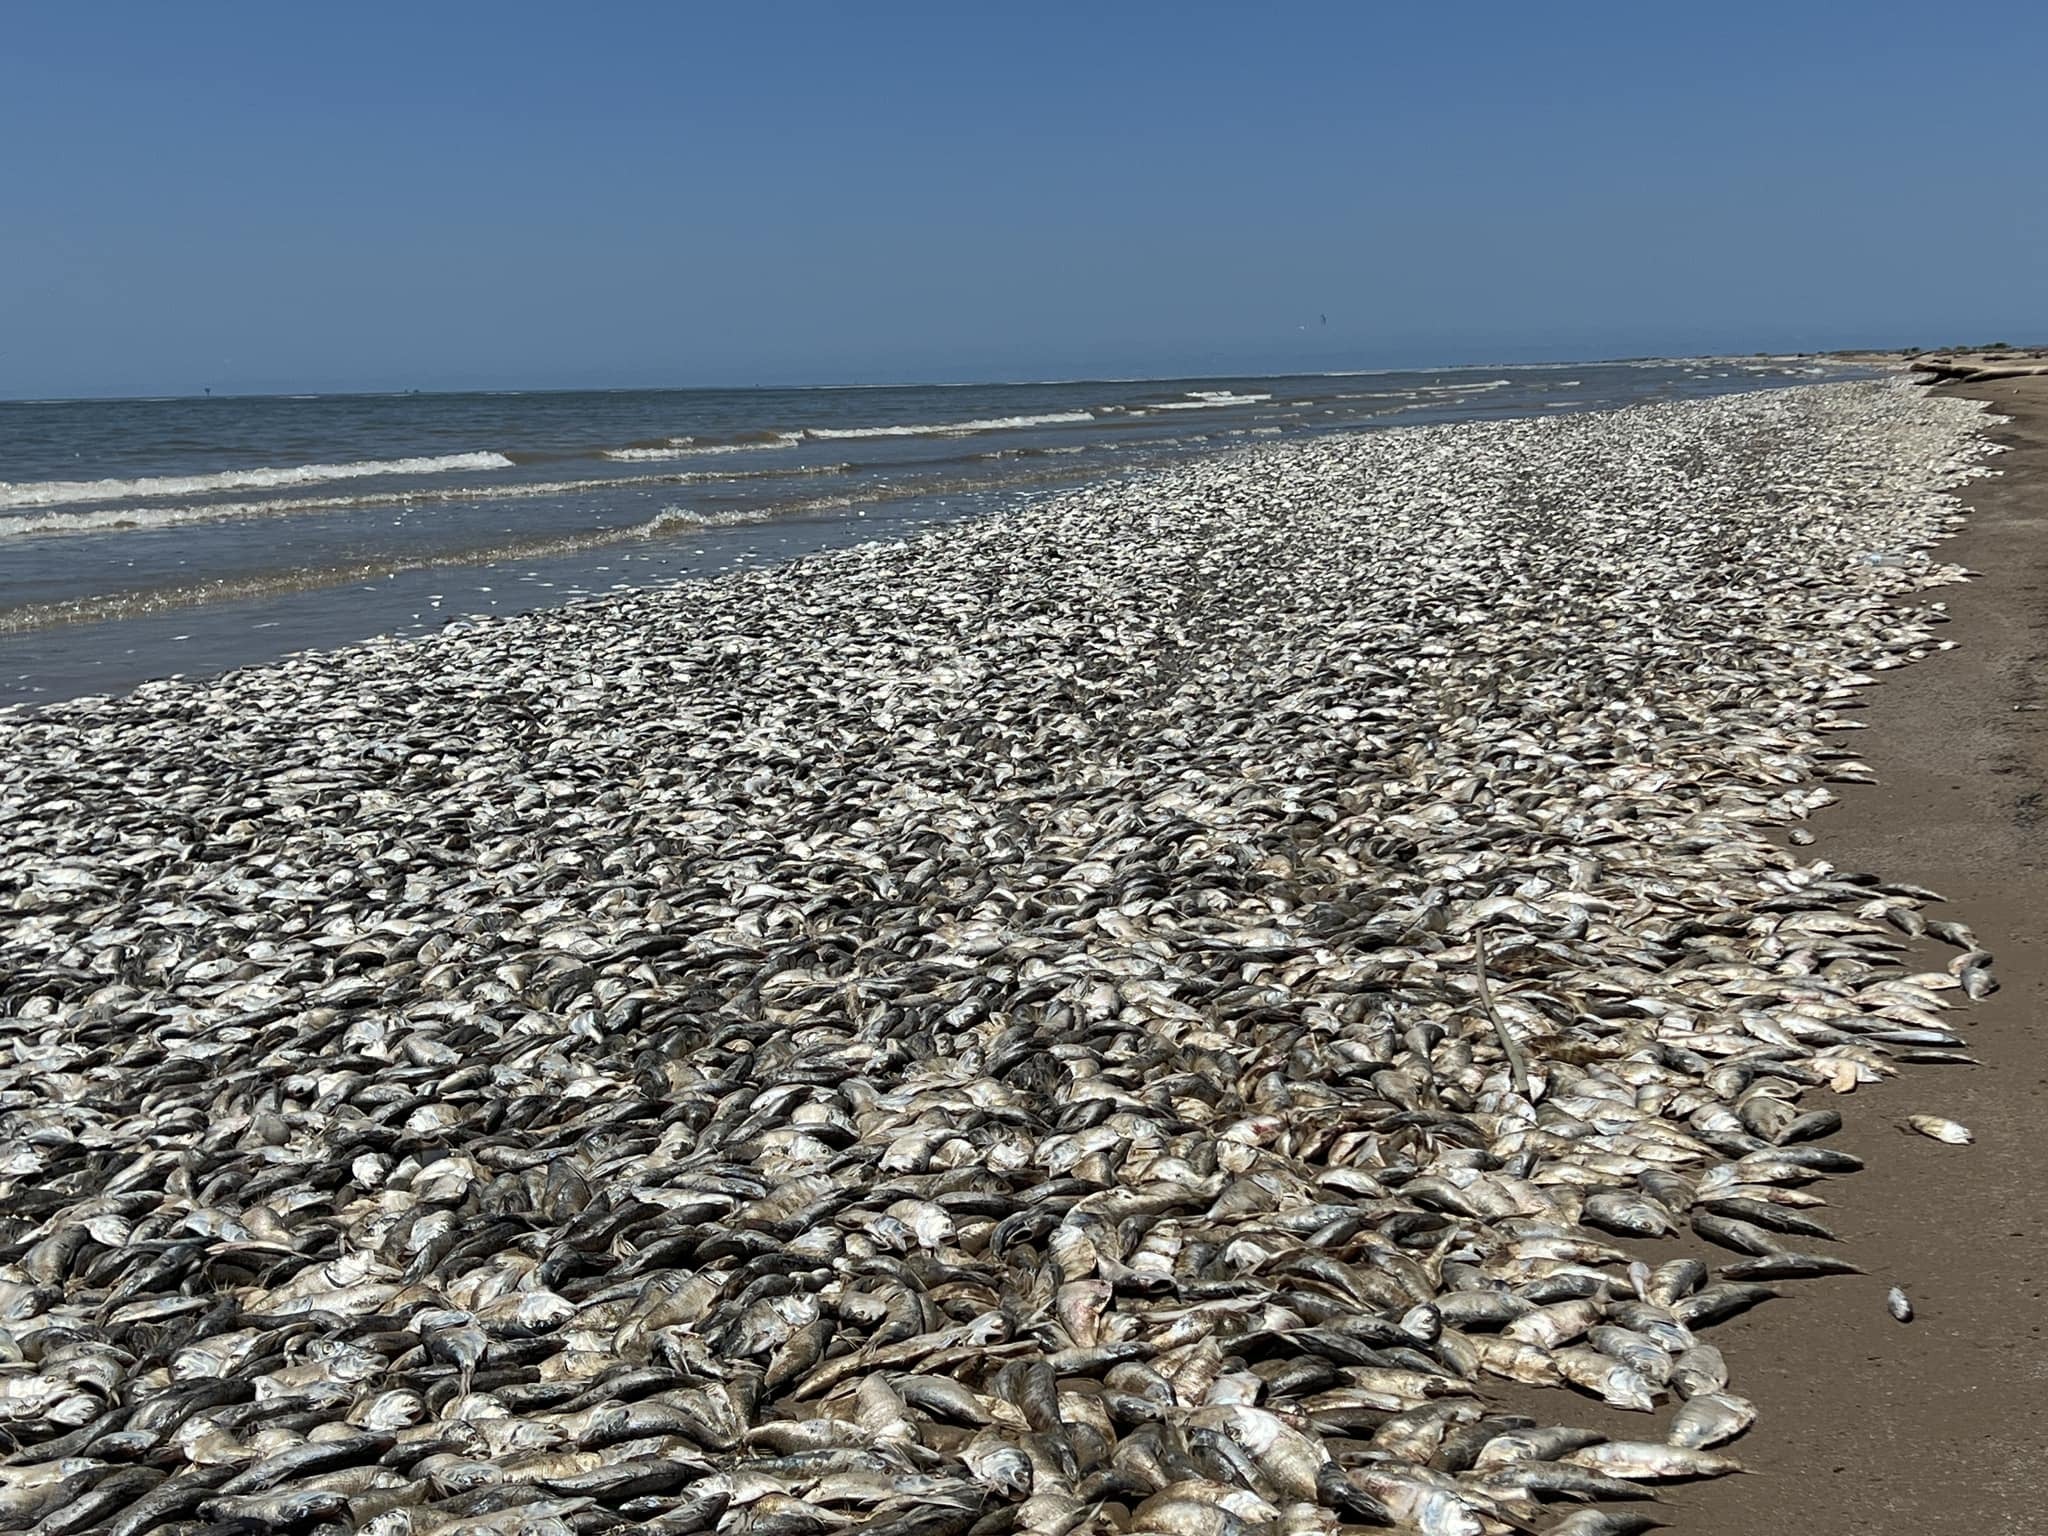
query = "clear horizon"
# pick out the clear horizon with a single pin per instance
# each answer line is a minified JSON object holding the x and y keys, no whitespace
{"x":256,"y":201}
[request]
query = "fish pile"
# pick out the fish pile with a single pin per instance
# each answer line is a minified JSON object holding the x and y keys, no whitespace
{"x":1147,"y":1012}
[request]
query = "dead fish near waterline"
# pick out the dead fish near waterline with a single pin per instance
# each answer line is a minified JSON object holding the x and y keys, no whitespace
{"x":1092,"y":1011}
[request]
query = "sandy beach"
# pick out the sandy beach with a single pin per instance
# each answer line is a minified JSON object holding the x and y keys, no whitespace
{"x":1341,"y":983}
{"x":1940,"y":1426}
{"x":1022,"y":771}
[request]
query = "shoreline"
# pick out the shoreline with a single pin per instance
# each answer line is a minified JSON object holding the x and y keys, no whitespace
{"x":1941,"y":1427}
{"x":183,"y":561}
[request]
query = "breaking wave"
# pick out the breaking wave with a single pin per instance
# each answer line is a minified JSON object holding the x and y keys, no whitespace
{"x":57,"y":493}
{"x":1204,"y":400}
{"x":121,"y":519}
{"x":669,"y":523}
{"x":952,"y":428}
{"x":695,"y":447}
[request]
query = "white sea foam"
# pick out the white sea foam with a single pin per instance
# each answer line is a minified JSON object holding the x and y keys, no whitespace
{"x":123,"y":518}
{"x":1468,"y":389}
{"x":120,"y":519}
{"x":690,"y":448}
{"x":952,"y":428}
{"x":1206,"y":400}
{"x":671,"y":520}
{"x":686,"y":447}
{"x":57,"y":493}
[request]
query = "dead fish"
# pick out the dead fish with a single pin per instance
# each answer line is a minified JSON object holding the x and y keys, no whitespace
{"x":1039,"y":1026}
{"x":1939,"y":1129}
{"x":1525,"y":1479}
{"x":1698,"y":1371}
{"x":1613,"y":1381}
{"x":1767,"y":1214}
{"x":1533,"y":1443}
{"x":1721,"y":1301}
{"x":1730,"y":1232}
{"x":1673,"y":1279}
{"x":285,"y":1508}
{"x":1788,"y":1266}
{"x":1633,"y":1215}
{"x":1638,"y":1459}
{"x":1709,"y":1419}
{"x":1604,"y":1522}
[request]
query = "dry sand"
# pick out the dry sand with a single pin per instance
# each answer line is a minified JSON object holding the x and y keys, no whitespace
{"x":1981,"y":367}
{"x":1940,"y":1426}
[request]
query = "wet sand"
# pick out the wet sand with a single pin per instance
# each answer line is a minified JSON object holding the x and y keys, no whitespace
{"x":1942,"y":1425}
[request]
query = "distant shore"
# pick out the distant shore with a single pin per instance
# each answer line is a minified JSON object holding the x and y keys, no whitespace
{"x":1982,"y":367}
{"x":1975,"y":365}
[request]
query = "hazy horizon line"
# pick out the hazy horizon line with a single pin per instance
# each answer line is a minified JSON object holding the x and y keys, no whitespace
{"x":989,"y":383}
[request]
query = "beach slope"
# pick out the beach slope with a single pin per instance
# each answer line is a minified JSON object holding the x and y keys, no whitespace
{"x":1941,"y":1426}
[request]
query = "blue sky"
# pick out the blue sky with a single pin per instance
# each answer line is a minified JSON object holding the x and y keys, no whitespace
{"x":457,"y":195}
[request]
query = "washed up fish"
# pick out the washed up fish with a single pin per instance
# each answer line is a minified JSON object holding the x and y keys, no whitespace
{"x":1642,"y":1459}
{"x":1603,"y":1522}
{"x":1939,"y":1129}
{"x":1087,"y":1016}
{"x":1709,"y":1419}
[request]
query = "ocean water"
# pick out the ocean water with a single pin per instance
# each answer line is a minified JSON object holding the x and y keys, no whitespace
{"x":147,"y":538}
